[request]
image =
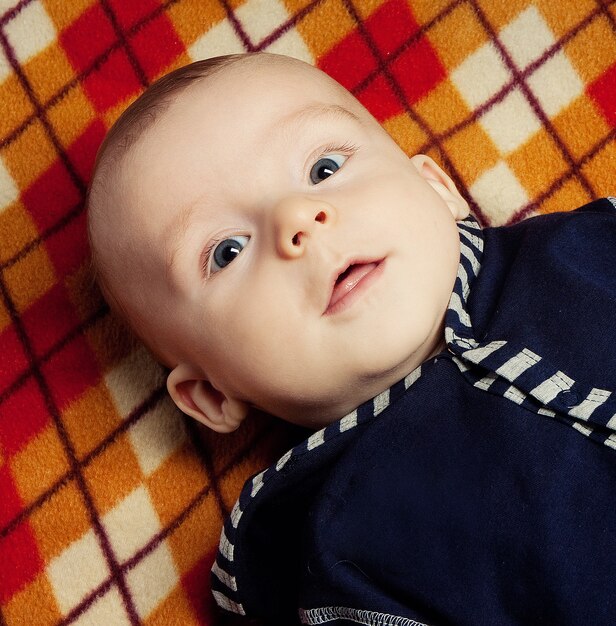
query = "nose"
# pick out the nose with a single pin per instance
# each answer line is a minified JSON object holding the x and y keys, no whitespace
{"x":296,"y":219}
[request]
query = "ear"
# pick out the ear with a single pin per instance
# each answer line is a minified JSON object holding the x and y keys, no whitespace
{"x":442,"y":184}
{"x":197,"y":397}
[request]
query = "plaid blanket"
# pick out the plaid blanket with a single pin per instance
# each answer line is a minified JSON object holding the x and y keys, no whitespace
{"x":111,"y":502}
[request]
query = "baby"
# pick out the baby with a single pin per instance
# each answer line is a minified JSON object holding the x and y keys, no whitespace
{"x":275,"y":248}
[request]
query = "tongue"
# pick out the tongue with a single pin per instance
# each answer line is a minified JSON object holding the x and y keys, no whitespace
{"x":349,"y":279}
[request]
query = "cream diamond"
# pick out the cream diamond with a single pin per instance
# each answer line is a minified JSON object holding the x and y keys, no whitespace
{"x":259,"y":18}
{"x":291,"y":44}
{"x":510,"y":123}
{"x":131,"y":524}
{"x":30,"y":31}
{"x":220,"y":39}
{"x":481,"y":76}
{"x":556,"y":84}
{"x":151,"y":581}
{"x":8,"y":189}
{"x":499,"y":193}
{"x":77,"y":571}
{"x":527,"y":37}
{"x":107,"y":610}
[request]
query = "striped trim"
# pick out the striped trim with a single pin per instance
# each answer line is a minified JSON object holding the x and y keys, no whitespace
{"x":223,"y":577}
{"x":329,"y":614}
{"x":227,"y":604}
{"x":505,"y":364}
{"x":518,"y":364}
{"x":227,"y":591}
{"x":591,"y":412}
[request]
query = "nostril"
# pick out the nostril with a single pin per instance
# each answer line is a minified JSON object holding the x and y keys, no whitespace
{"x":321,"y":217}
{"x":295,"y":239}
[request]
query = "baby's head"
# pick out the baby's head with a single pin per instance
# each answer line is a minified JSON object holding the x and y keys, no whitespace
{"x":270,"y":242}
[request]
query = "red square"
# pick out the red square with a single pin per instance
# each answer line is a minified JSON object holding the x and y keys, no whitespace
{"x":22,"y":415}
{"x":14,"y":361}
{"x":380,"y":100}
{"x":70,"y":371}
{"x":350,"y":61}
{"x":20,"y":560}
{"x":68,"y":247}
{"x":603,"y":92}
{"x":51,"y":196}
{"x":418,"y":70}
{"x":10,"y":502}
{"x":391,"y":25}
{"x":82,"y":151}
{"x":129,"y":13}
{"x":112,"y":82}
{"x":196,"y":585}
{"x":88,"y":37}
{"x":156,"y":46}
{"x":50,"y":319}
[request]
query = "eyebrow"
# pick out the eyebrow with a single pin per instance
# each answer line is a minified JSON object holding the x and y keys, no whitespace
{"x":317,"y":109}
{"x":300,"y":117}
{"x":177,"y":229}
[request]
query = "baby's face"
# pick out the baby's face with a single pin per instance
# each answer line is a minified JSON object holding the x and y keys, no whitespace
{"x":291,"y":256}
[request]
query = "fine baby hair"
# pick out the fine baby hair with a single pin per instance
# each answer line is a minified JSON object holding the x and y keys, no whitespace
{"x":269,"y":241}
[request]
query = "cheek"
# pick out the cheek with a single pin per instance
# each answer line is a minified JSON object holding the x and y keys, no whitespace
{"x":245,"y":329}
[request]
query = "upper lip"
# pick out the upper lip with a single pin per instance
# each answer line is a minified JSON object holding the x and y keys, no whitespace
{"x":341,"y":270}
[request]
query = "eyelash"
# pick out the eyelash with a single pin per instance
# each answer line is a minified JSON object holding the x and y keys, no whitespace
{"x":206,"y":255}
{"x":346,"y":148}
{"x":209,"y":249}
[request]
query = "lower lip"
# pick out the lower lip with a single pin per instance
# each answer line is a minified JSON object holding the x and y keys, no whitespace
{"x":357,"y":291}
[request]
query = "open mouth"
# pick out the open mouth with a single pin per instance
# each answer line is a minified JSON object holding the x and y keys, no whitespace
{"x":351,"y":282}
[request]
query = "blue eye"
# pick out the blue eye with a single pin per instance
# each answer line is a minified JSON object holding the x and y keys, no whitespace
{"x":326,"y":166}
{"x":225,"y":251}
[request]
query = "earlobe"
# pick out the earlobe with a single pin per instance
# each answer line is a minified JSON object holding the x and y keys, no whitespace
{"x":430,"y":171}
{"x":197,"y":397}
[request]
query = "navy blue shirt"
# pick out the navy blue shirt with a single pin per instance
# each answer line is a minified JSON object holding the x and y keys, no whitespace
{"x":481,"y":489}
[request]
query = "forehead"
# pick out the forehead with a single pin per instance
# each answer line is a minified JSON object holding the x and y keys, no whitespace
{"x":219,"y":126}
{"x":245,"y":98}
{"x":206,"y":150}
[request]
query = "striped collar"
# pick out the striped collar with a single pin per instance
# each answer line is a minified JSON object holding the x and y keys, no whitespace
{"x":517,"y":372}
{"x":538,"y":386}
{"x":224,"y":588}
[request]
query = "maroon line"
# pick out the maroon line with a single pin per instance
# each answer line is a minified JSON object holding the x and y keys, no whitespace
{"x":488,"y":104}
{"x":204,"y":457}
{"x":530,"y":97}
{"x":101,"y":59}
{"x":68,"y":447}
{"x":414,"y":38}
{"x":41,"y":114}
{"x":455,"y":175}
{"x":70,"y":451}
{"x":121,"y":35}
{"x":79,"y":78}
{"x":68,"y":217}
{"x":290,"y":23}
{"x":164,"y":533}
{"x":531,"y":206}
{"x":135,"y":415}
{"x":237,"y":27}
{"x":5,"y":18}
{"x":96,"y":64}
{"x":35,"y":505}
{"x":74,"y":332}
{"x":604,"y":8}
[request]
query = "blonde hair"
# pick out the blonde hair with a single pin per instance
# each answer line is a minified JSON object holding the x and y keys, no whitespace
{"x":121,"y":137}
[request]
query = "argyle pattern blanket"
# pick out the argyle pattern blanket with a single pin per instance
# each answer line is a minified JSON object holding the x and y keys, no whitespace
{"x":111,"y":502}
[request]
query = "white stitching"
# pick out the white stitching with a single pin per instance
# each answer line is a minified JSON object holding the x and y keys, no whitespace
{"x":327,"y":614}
